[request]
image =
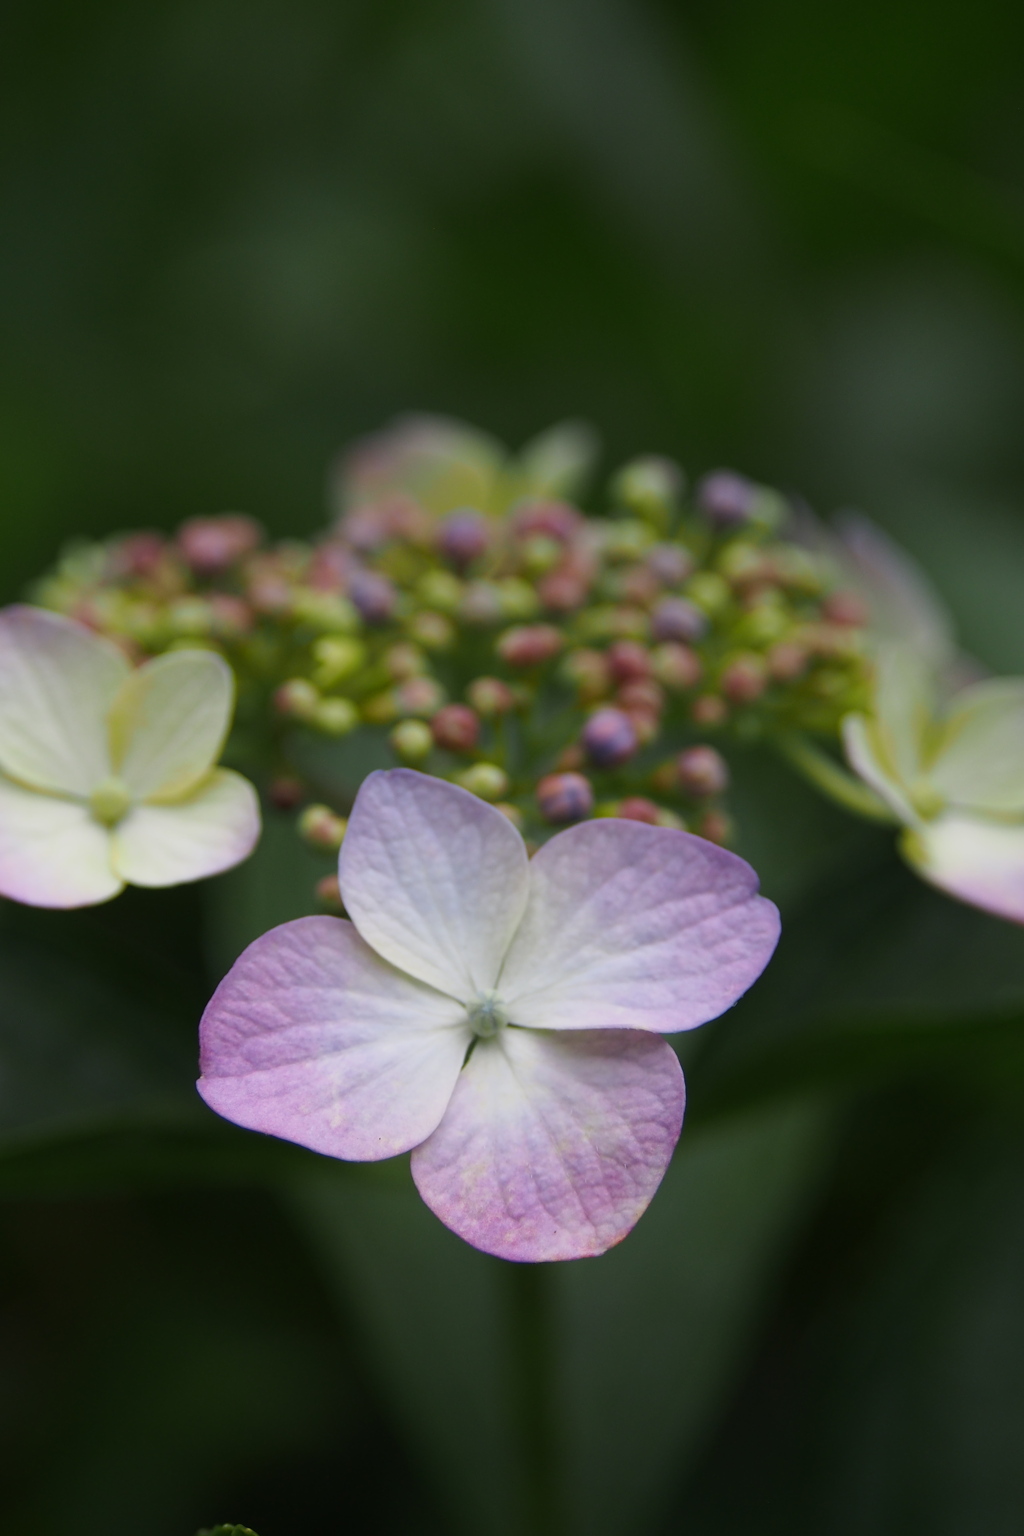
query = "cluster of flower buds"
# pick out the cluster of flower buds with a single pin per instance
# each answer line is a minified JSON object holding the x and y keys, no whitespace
{"x":467,"y":610}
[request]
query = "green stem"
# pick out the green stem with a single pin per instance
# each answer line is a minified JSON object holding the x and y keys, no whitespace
{"x":833,"y":780}
{"x":531,"y":1357}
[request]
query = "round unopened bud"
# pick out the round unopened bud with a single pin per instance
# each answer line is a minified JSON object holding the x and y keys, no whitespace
{"x":286,"y":793}
{"x":404,"y":660}
{"x":337,"y":657}
{"x":646,"y":723}
{"x":490,"y":696}
{"x":676,"y":666}
{"x":609,"y":738}
{"x":373,"y":595}
{"x":639,"y":584}
{"x":726,"y":498}
{"x":529,"y":645}
{"x":744,"y":678}
{"x":701,"y":771}
{"x":441,"y":590}
{"x":137,"y":554}
{"x":628,"y":661}
{"x":562,"y":590}
{"x":588,"y":672}
{"x":644,"y":693}
{"x":380,"y":708}
{"x":675,"y":618}
{"x":845,"y":608}
{"x":232,"y":616}
{"x":627,"y":539}
{"x":518,"y":599}
{"x":321,"y":828}
{"x":671,"y":563}
{"x":486,"y":780}
{"x":463,"y":536}
{"x":716,"y":826}
{"x":298,"y":698}
{"x":481,"y":603}
{"x":456,"y":727}
{"x":554,"y":519}
{"x":636,"y":808}
{"x":709,"y":591}
{"x":190,"y":616}
{"x":212,"y":544}
{"x":411,"y":740}
{"x":326,"y":611}
{"x":787,"y":661}
{"x":540,"y":552}
{"x":336,"y":717}
{"x":650,"y":487}
{"x":419,"y":696}
{"x":432,"y":630}
{"x":564,"y":797}
{"x":709,"y":709}
{"x":328,"y":893}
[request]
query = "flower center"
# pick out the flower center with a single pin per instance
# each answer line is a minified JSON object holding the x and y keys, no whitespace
{"x":487,"y":1016}
{"x":110,"y":801}
{"x":925,"y":799}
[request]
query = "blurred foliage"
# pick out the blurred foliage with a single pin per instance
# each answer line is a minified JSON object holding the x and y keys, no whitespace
{"x":781,"y":236}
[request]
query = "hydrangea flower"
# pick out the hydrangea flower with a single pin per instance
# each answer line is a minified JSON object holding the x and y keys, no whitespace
{"x":953,"y":773}
{"x":107,"y":773}
{"x":500,"y":1016}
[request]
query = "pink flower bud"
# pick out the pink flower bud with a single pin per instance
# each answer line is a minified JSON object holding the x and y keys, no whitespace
{"x":328,"y":893}
{"x":212,"y":544}
{"x":490,"y":696}
{"x":404,"y":660}
{"x":787,"y":661}
{"x":725,"y":498}
{"x":456,"y":727}
{"x":463,"y":536}
{"x":564,"y":797}
{"x":716,"y":826}
{"x":231,"y":616}
{"x":418,"y":696}
{"x":636,"y":808}
{"x":609,"y":738}
{"x":528,"y":645}
{"x":139,"y":554}
{"x":845,"y":608}
{"x":709,"y":709}
{"x":298,"y":698}
{"x":676,"y":665}
{"x":373,"y":595}
{"x":640,"y":584}
{"x":562,"y":591}
{"x":554,"y":519}
{"x":677,"y":619}
{"x":744,"y":679}
{"x":321,"y":828}
{"x":643,"y":694}
{"x":286,"y":794}
{"x":628,"y":661}
{"x":702,"y":771}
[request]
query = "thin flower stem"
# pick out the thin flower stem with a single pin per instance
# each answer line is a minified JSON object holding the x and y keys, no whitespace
{"x":531,"y":1359}
{"x":830,"y":777}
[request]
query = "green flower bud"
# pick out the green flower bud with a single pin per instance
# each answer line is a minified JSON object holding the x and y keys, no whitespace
{"x":337,"y":657}
{"x":298,"y":698}
{"x":326,"y":611}
{"x":440,"y":589}
{"x":485,"y":780}
{"x":650,"y":488}
{"x":321,"y":828}
{"x":411,"y":740}
{"x":708,"y":591}
{"x":432,"y":630}
{"x":336,"y":717}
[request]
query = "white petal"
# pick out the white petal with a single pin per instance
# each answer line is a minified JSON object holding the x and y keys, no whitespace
{"x":214,"y":828}
{"x":905,"y":699}
{"x":905,"y":607}
{"x":979,"y":861}
{"x":980,"y":762}
{"x":52,"y":852}
{"x":169,"y":721}
{"x":57,"y":683}
{"x":313,"y":1037}
{"x":635,"y":927}
{"x":553,"y":1145}
{"x":434,"y":879}
{"x":860,"y":740}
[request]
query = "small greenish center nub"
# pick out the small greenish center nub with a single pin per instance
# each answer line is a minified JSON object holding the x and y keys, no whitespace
{"x":110,"y":801}
{"x":486,"y":1016}
{"x":925,"y":799}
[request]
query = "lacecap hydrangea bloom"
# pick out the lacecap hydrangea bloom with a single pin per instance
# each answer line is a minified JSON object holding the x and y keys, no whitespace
{"x":500,"y":1016}
{"x":950,"y":767}
{"x":107,"y":772}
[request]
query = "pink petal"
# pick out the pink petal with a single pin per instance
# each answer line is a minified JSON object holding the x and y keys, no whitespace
{"x":434,"y":879}
{"x":553,"y":1145}
{"x":976,"y":860}
{"x":314,"y":1038}
{"x":52,"y":852}
{"x":630,"y":926}
{"x":57,"y":682}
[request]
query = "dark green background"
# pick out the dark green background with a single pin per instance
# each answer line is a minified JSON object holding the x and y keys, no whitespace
{"x":785,"y":236}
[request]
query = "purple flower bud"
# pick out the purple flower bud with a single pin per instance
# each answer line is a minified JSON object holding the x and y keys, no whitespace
{"x":675,"y":618}
{"x":564,"y":797}
{"x":726,"y":498}
{"x":702,"y":771}
{"x":671,"y":563}
{"x":463,"y":536}
{"x":609,"y":738}
{"x":373,"y":595}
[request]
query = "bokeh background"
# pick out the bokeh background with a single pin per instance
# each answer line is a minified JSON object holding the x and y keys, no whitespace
{"x":783,"y":236}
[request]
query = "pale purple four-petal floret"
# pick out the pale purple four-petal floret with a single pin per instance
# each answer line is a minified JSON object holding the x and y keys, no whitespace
{"x":499,"y":1016}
